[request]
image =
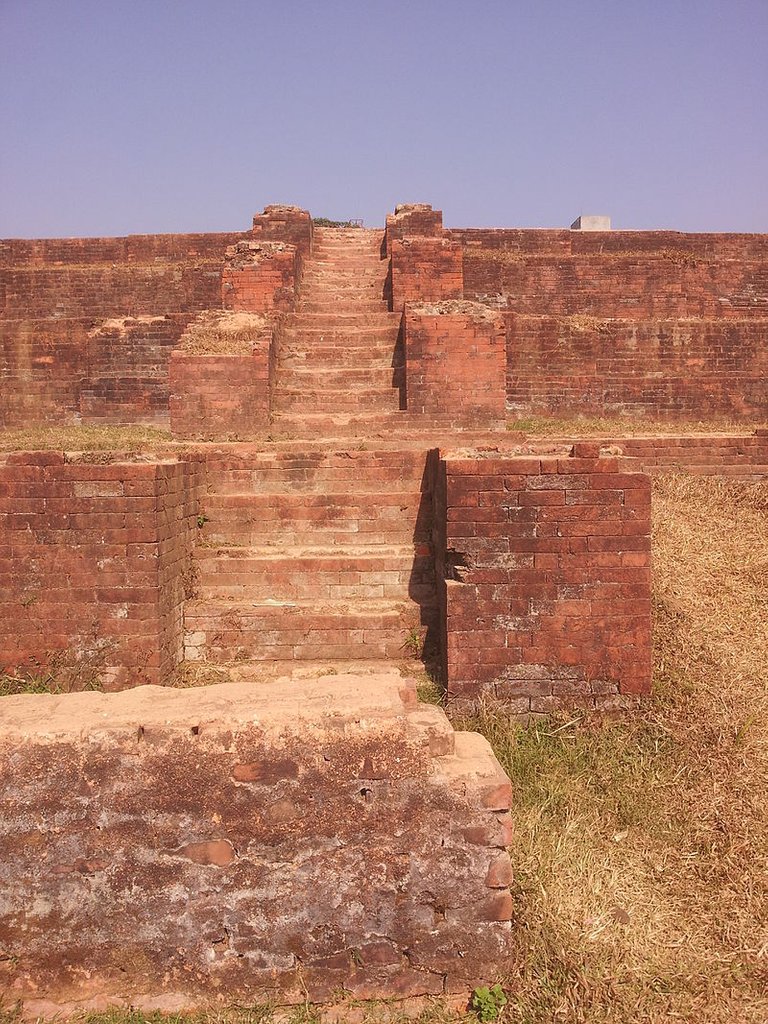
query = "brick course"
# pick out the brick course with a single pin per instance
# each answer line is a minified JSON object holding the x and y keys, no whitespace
{"x":455,"y":363}
{"x":546,"y":569}
{"x":93,"y":563}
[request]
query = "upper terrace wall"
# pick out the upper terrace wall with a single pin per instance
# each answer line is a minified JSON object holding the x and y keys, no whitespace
{"x":87,"y":324}
{"x":543,"y":241}
{"x":618,"y":284}
{"x":657,"y":323}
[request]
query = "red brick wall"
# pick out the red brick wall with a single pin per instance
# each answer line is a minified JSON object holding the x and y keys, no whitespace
{"x":455,"y":363}
{"x":260,"y":277}
{"x":125,"y":372}
{"x":288,"y":224}
{"x":657,"y":368}
{"x":565,"y":242}
{"x":93,"y":563}
{"x":723,"y":455}
{"x":412,"y":219}
{"x":631,"y":286}
{"x":425,"y":270}
{"x":125,"y":249}
{"x":219,"y":396}
{"x":54,"y":294}
{"x":41,"y":369}
{"x":97,"y":290}
{"x":547,"y":580}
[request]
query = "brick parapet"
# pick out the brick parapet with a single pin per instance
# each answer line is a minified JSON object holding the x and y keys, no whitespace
{"x":725,"y":454}
{"x":412,"y":219}
{"x":260,"y":277}
{"x":637,"y":286}
{"x":564,"y":242}
{"x":545,"y":570}
{"x":94,"y":559}
{"x":426,"y":270}
{"x":671,"y":368}
{"x":288,"y":224}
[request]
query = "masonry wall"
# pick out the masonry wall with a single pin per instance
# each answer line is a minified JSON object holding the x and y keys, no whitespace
{"x":94,"y":565}
{"x":672,"y":367}
{"x":662,"y":323}
{"x":87,"y":325}
{"x":260,"y":277}
{"x":618,"y":285}
{"x":546,"y":569}
{"x":220,"y":396}
{"x":454,"y":363}
{"x":425,"y":270}
{"x":743,"y":456}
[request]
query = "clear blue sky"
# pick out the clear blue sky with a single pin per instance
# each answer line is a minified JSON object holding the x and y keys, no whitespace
{"x":121,"y":116}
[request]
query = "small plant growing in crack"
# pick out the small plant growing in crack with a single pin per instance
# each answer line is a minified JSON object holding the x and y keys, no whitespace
{"x":202,"y":519}
{"x":488,"y":1002}
{"x":413,"y":642}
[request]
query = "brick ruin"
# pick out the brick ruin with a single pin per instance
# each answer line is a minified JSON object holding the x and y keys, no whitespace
{"x":338,"y":486}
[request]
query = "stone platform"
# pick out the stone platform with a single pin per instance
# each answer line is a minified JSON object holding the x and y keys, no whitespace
{"x":236,"y":843}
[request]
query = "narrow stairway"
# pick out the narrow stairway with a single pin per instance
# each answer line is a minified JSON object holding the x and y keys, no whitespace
{"x":337,"y":355}
{"x":312,"y":556}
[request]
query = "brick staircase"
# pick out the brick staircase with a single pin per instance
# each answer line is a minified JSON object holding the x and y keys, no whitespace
{"x":337,"y":364}
{"x":314,"y":556}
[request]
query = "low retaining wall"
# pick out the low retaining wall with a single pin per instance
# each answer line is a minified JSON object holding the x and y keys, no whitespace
{"x":235,"y":844}
{"x":94,"y":562}
{"x":546,"y":570}
{"x":220,"y":376}
{"x":455,"y":360}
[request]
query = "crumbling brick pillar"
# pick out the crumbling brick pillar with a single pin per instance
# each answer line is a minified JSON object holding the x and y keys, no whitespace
{"x":426,"y":270}
{"x":455,"y":362}
{"x":287,"y":224}
{"x":545,"y":567}
{"x":413,"y":219}
{"x":260,"y":277}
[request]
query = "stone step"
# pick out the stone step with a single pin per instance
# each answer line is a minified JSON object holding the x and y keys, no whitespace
{"x":395,"y":572}
{"x":345,"y":245}
{"x":347,"y":264}
{"x":348,"y":291}
{"x":341,"y":307}
{"x":296,"y":518}
{"x":321,"y":272}
{"x":323,"y":358}
{"x":308,"y":320}
{"x":290,"y":395}
{"x":307,"y":426}
{"x":339,"y":378}
{"x":229,"y":630}
{"x":361,"y":336}
{"x":373,"y":245}
{"x":342,"y":279}
{"x":338,"y":472}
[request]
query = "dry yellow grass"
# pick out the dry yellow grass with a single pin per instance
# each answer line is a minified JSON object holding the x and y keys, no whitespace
{"x":626,"y":426}
{"x":79,"y":438}
{"x":642,"y":846}
{"x":641,"y":851}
